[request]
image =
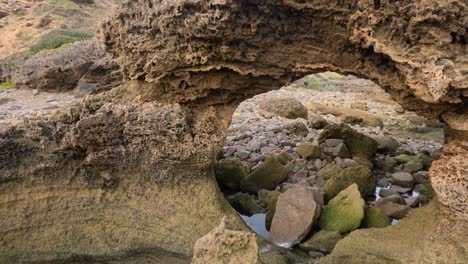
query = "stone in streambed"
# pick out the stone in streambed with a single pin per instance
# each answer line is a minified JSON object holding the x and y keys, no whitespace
{"x":392,"y":209}
{"x":344,"y":212}
{"x":396,"y":198}
{"x":308,"y":150}
{"x":387,"y":144}
{"x":387,"y":192}
{"x":283,"y":106}
{"x":328,"y":171}
{"x":322,"y":241}
{"x":360,"y":175}
{"x":268,"y":174}
{"x":375,"y":217}
{"x":403,"y":179}
{"x":413,"y":165}
{"x":230,"y":172}
{"x":294,"y":216}
{"x":245,"y":204}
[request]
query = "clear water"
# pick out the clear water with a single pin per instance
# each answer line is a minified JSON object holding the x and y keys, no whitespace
{"x":256,"y":222}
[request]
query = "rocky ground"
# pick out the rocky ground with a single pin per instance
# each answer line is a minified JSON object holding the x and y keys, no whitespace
{"x":309,"y":163}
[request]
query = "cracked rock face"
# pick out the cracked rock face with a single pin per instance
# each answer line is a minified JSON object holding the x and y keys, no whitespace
{"x":131,"y":168}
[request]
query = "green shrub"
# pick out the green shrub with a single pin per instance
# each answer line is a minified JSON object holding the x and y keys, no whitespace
{"x":7,"y":85}
{"x":57,"y":39}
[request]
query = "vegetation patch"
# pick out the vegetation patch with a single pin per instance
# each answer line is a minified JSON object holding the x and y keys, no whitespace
{"x":7,"y":85}
{"x":57,"y":39}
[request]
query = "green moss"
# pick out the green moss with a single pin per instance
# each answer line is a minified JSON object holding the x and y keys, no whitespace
{"x":57,"y":39}
{"x":344,"y":212}
{"x":309,"y":150}
{"x":7,"y":85}
{"x":230,"y":172}
{"x":360,"y":175}
{"x":375,"y":217}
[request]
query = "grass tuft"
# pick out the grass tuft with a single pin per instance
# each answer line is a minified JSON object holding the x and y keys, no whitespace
{"x":57,"y":39}
{"x":7,"y":85}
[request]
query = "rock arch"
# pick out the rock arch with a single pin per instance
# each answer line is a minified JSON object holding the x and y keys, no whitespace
{"x":131,"y":169}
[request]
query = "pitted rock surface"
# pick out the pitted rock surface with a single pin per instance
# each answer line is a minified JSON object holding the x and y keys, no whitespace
{"x":131,"y":169}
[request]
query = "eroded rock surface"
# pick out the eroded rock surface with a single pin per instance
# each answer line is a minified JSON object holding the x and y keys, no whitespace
{"x":131,"y":169}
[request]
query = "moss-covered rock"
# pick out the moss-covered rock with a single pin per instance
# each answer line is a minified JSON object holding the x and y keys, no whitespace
{"x":364,"y":161}
{"x":329,"y":171}
{"x":387,"y":144}
{"x":344,"y":212}
{"x":308,"y":150}
{"x":360,"y":175}
{"x":403,"y":158}
{"x":357,"y":143}
{"x":245,"y":204}
{"x":267,"y":175}
{"x":413,"y":165}
{"x":230,"y":172}
{"x":375,"y":217}
{"x":322,"y":241}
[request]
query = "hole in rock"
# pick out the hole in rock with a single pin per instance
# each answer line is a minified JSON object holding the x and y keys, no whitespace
{"x":307,"y":164}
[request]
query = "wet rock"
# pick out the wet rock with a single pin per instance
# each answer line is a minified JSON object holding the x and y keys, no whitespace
{"x":403,"y":179}
{"x":322,"y":241}
{"x":395,"y":198}
{"x":387,"y":192}
{"x":375,"y":217}
{"x":403,"y":158}
{"x":308,"y":150}
{"x":217,"y":247}
{"x":230,"y":172}
{"x":294,"y":216}
{"x":268,"y":174}
{"x":344,"y":212}
{"x":357,"y":143}
{"x":284,"y":106}
{"x":412,"y":201}
{"x":400,"y":189}
{"x":392,"y":209}
{"x":382,"y":183}
{"x":245,"y":204}
{"x":360,"y":175}
{"x":387,"y":144}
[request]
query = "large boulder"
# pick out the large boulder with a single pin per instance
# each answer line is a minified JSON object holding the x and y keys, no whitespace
{"x":295,"y":213}
{"x":392,"y":209}
{"x":357,"y":143}
{"x":344,"y":212}
{"x":83,"y":65}
{"x":267,"y":175}
{"x":224,"y":245}
{"x":360,"y":175}
{"x":286,"y":107}
{"x":387,"y":144}
{"x":230,"y":172}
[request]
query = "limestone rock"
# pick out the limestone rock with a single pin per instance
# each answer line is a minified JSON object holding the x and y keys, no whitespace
{"x":245,"y":204}
{"x":230,"y":172}
{"x":357,"y":143}
{"x":82,"y":65}
{"x":222,"y":245}
{"x":344,"y":212}
{"x":317,"y":122}
{"x":403,"y":179}
{"x":284,"y":106}
{"x":267,"y":175}
{"x":309,"y":150}
{"x":294,"y":216}
{"x":360,"y":175}
{"x":322,"y":241}
{"x":375,"y":217}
